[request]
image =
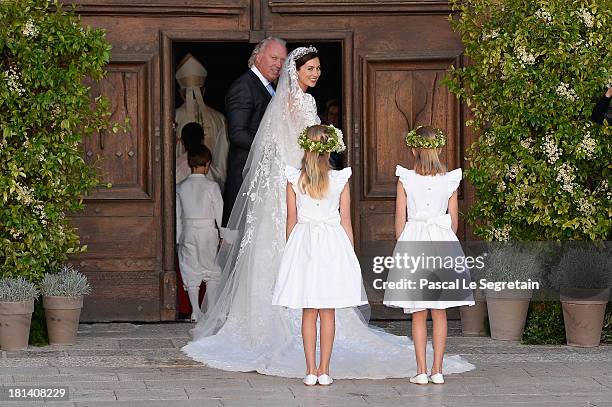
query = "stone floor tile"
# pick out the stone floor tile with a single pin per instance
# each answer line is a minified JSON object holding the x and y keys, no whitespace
{"x":66,"y":378}
{"x":141,"y":364}
{"x":165,"y":394}
{"x":146,"y":343}
{"x":111,"y":385}
{"x":93,"y":395}
{"x":150,"y":403}
{"x":32,"y":371}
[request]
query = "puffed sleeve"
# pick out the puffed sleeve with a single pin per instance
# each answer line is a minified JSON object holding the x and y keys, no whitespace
{"x":454,"y":178}
{"x":342,"y":176}
{"x":402,"y":173}
{"x":292,"y":174}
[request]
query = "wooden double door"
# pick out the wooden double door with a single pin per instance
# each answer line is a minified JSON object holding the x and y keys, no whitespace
{"x":392,"y":56}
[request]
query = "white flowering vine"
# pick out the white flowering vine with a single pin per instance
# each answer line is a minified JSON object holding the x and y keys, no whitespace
{"x":525,"y":57}
{"x":587,"y":146}
{"x":587,"y":18}
{"x":30,"y":30}
{"x":566,"y":91}
{"x":551,"y":149}
{"x":13,"y":79}
{"x":544,"y":15}
{"x":566,"y":176}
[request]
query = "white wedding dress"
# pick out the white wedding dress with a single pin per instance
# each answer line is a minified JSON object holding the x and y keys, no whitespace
{"x":243,"y":331}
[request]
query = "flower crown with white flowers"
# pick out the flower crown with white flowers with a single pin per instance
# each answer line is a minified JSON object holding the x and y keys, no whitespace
{"x":333,"y":144}
{"x":415,"y":141}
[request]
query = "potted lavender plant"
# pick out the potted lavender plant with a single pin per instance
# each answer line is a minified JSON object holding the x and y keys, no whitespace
{"x":17,"y":297}
{"x":583,"y":277}
{"x":507,"y":308}
{"x":63,"y":293}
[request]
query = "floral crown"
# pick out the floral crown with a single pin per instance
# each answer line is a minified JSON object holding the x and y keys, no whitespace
{"x":300,"y":52}
{"x":333,"y":144}
{"x":416,"y":141}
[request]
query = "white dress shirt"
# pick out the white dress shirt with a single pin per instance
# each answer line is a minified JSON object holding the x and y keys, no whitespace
{"x":260,"y":76}
{"x":197,"y":197}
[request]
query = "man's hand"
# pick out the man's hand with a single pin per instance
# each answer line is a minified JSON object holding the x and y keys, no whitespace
{"x":609,"y":92}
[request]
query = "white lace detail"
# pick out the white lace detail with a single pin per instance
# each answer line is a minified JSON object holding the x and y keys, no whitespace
{"x":268,"y":177}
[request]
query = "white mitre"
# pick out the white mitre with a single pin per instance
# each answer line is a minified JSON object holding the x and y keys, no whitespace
{"x":191,"y":76}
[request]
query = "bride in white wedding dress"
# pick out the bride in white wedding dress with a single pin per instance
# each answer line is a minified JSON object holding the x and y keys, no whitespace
{"x":243,"y":331}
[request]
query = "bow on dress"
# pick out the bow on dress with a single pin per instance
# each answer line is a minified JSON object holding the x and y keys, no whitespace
{"x":433,"y":222}
{"x":316,"y":227}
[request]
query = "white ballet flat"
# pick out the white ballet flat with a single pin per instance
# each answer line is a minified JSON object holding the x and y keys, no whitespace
{"x":437,"y":378}
{"x":325,"y":380}
{"x":310,"y":380}
{"x":419,"y":379}
{"x":195,"y":316}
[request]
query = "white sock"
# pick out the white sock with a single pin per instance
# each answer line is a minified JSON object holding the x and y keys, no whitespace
{"x":194,"y":293}
{"x":211,"y":294}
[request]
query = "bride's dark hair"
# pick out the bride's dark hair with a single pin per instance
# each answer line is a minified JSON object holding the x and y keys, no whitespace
{"x":305,"y":58}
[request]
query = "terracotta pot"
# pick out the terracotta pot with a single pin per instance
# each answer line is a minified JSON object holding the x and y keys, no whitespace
{"x":507,"y":313}
{"x":473,"y":318}
{"x":15,"y":319}
{"x":583,"y":315}
{"x":62,"y":314}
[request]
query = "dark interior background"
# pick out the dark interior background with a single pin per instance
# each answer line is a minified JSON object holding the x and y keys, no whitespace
{"x":225,"y":61}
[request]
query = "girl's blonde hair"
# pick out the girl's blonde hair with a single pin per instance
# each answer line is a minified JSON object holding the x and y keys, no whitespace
{"x":314,"y":179}
{"x":426,"y":160}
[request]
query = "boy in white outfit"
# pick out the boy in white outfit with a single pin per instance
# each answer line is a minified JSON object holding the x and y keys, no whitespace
{"x":199,"y":207}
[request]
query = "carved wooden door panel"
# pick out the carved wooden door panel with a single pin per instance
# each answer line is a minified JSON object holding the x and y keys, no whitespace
{"x":119,"y":224}
{"x":400,"y":92}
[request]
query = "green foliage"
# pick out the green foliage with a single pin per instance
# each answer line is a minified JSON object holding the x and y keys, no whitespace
{"x":544,"y":324}
{"x":541,"y":169}
{"x":38,"y":327}
{"x":66,"y":282}
{"x":46,"y":110}
{"x":17,"y":289}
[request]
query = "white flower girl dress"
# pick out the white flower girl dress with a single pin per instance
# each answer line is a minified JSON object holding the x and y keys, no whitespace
{"x":319,"y":268}
{"x":428,"y":221}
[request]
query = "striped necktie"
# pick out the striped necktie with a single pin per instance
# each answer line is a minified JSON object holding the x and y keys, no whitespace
{"x":270,"y":89}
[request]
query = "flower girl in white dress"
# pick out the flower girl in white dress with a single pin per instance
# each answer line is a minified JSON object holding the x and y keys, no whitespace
{"x":427,"y":211}
{"x":319,"y":270}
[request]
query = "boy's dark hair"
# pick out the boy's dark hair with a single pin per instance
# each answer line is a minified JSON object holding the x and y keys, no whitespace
{"x":192,"y":135}
{"x":199,"y":156}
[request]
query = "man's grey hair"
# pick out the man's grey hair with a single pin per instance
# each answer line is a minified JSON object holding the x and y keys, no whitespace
{"x":262,"y":45}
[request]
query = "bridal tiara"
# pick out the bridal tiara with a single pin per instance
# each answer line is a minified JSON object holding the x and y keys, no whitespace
{"x":300,"y":52}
